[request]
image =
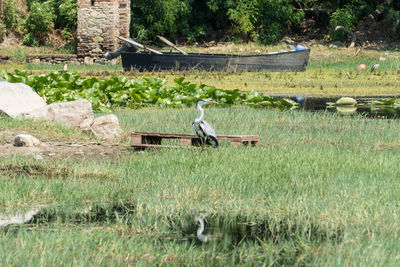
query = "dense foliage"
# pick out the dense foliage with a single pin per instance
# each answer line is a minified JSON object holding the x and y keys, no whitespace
{"x":11,"y":19}
{"x":104,"y":95}
{"x":39,"y":23}
{"x":264,"y":21}
{"x":35,"y":20}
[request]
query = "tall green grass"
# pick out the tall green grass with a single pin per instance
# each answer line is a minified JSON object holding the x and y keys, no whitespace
{"x":319,"y":189}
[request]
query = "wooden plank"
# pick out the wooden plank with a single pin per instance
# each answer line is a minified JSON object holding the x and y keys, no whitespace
{"x":136,"y":139}
{"x":146,"y":146}
{"x":171,"y":44}
{"x":148,"y":139}
{"x":140,"y":45}
{"x":221,"y":136}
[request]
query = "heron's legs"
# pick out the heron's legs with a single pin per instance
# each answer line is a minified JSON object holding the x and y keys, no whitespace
{"x":202,"y":144}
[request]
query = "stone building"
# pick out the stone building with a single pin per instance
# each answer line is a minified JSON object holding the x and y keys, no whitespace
{"x":100,"y":22}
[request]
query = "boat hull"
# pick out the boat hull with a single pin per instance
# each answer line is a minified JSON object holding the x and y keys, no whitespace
{"x":282,"y":61}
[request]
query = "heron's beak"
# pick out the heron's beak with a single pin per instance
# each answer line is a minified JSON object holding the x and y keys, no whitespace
{"x":212,"y":102}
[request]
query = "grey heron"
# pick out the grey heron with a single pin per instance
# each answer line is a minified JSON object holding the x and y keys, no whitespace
{"x":374,"y":67}
{"x":200,"y":230}
{"x":204,"y":131}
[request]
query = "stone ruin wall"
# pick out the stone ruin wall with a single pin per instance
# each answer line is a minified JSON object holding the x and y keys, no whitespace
{"x":124,"y":17}
{"x":100,"y":22}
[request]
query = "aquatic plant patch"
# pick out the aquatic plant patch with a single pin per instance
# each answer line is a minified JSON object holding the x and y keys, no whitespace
{"x":119,"y":91}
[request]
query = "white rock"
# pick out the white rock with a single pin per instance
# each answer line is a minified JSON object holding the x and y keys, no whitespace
{"x":18,"y":98}
{"x":77,"y":113}
{"x":346,"y":101}
{"x":26,"y":140}
{"x":37,"y":157}
{"x":106,"y":127}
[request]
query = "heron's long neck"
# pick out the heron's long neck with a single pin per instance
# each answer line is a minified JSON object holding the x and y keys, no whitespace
{"x":200,"y":230}
{"x":201,"y":110}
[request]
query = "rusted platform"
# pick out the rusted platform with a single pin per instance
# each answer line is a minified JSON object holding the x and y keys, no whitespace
{"x":145,"y":139}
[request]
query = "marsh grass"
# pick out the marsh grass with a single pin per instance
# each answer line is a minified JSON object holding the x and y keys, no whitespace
{"x":319,"y":189}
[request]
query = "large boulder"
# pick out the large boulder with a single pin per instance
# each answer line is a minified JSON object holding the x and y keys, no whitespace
{"x":18,"y":98}
{"x":77,"y":113}
{"x":106,"y":127}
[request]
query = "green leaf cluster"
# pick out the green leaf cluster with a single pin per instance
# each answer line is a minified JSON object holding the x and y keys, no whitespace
{"x":11,"y":19}
{"x":39,"y":23}
{"x":119,"y":91}
{"x":256,"y":99}
{"x":345,"y":17}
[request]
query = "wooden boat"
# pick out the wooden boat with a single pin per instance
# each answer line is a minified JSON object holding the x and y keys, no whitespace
{"x":280,"y":61}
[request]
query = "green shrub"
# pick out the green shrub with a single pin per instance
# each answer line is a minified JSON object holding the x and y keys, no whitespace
{"x":244,"y":15}
{"x":67,"y":21}
{"x":191,"y":20}
{"x":150,"y":18}
{"x":12,"y":17}
{"x":393,"y":19}
{"x":11,"y":14}
{"x":345,"y":17}
{"x":60,"y":14}
{"x":269,"y":35}
{"x":30,"y":40}
{"x":67,"y":15}
{"x":204,"y":20}
{"x":276,"y":17}
{"x":40,"y":21}
{"x":263,"y":20}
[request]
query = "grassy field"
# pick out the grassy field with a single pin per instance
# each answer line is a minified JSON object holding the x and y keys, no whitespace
{"x":320,"y":189}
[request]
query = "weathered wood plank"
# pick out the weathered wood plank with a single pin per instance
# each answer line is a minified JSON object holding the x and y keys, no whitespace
{"x":148,"y":139}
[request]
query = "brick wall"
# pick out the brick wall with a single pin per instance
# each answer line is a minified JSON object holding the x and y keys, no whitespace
{"x":124,"y":17}
{"x":100,"y":22}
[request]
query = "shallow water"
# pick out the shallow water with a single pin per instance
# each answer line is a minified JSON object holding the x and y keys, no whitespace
{"x":363,"y":108}
{"x":232,"y":232}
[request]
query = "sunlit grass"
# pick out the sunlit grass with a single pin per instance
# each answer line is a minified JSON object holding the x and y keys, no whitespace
{"x":47,"y":130}
{"x":318,"y":171}
{"x":12,"y":50}
{"x":323,"y":185}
